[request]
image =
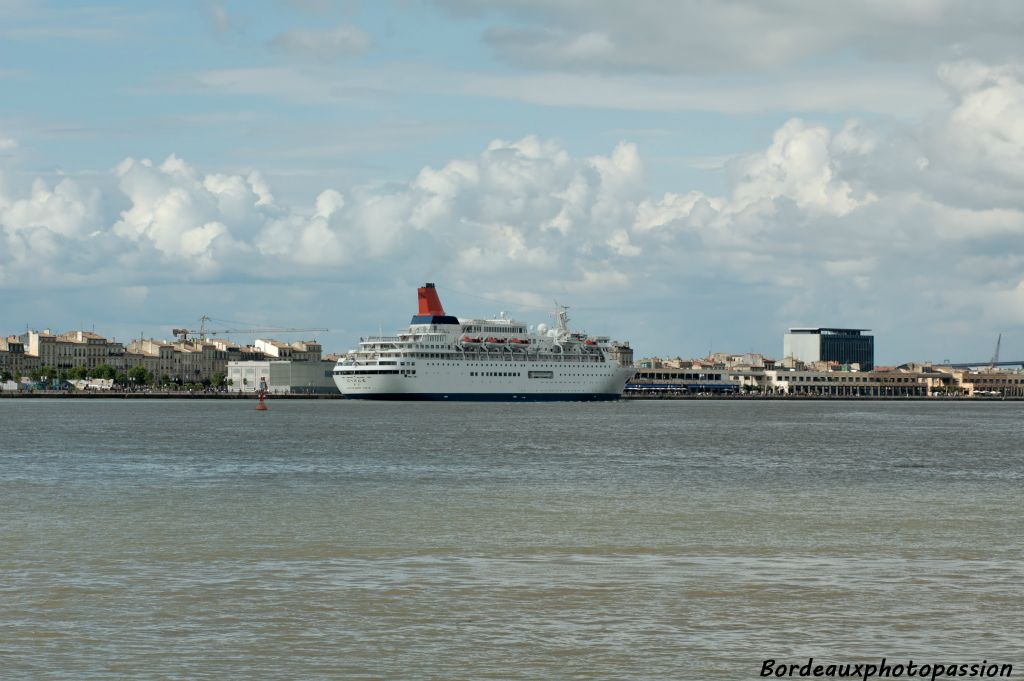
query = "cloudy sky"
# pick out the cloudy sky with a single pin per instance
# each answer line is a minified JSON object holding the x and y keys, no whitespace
{"x":686,"y":175}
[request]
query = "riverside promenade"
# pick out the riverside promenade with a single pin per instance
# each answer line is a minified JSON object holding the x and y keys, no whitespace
{"x":184,"y":395}
{"x":158,"y":395}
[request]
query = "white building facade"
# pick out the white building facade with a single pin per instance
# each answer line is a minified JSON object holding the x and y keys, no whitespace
{"x":283,"y":376}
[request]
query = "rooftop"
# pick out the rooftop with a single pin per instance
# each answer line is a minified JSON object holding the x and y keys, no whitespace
{"x":826,"y":330}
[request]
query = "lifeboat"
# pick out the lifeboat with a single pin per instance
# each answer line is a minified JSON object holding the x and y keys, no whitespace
{"x":491,"y":340}
{"x":590,"y":342}
{"x":520,"y":341}
{"x":467,"y":339}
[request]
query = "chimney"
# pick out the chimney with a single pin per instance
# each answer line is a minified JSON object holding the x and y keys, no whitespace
{"x":430,"y":304}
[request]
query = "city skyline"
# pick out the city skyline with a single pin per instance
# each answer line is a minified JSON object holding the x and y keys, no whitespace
{"x":686,"y":177}
{"x":196,"y":336}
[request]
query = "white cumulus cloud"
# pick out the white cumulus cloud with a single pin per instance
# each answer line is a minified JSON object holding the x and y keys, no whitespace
{"x":848,"y":223}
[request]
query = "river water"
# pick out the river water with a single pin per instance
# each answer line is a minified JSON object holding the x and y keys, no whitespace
{"x":634,"y":540}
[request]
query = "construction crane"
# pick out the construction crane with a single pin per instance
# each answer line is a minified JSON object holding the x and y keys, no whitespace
{"x":995,"y":355}
{"x":202,"y":332}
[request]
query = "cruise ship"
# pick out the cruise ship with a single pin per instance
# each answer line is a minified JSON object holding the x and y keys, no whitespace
{"x":441,"y":357}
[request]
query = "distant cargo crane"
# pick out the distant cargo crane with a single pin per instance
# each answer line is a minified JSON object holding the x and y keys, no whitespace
{"x":991,"y":364}
{"x":202,"y":332}
{"x":995,"y":355}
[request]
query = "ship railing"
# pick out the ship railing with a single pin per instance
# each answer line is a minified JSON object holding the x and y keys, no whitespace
{"x":508,"y":357}
{"x":380,"y":339}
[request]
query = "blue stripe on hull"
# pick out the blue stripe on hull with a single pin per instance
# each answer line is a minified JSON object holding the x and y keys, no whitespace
{"x":486,"y":397}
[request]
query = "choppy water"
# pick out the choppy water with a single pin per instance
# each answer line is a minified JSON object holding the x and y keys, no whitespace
{"x":653,"y":540}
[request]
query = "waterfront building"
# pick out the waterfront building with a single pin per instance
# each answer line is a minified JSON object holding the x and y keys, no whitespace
{"x":621,"y":352}
{"x":13,"y":359}
{"x":86,"y":349}
{"x":286,"y":367}
{"x":825,"y":379}
{"x":790,"y":363}
{"x":659,"y":377}
{"x":989,"y":382}
{"x":69,"y":350}
{"x":887,"y":383}
{"x":283,"y":376}
{"x":235,"y":352}
{"x":157,"y":357}
{"x":751,"y":360}
{"x":199,"y":361}
{"x":43,"y":346}
{"x":658,"y":363}
{"x":301,"y":351}
{"x":196,"y":361}
{"x":182,"y":361}
{"x":845,"y":346}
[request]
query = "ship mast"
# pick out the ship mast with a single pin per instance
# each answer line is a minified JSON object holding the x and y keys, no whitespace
{"x":561,"y":319}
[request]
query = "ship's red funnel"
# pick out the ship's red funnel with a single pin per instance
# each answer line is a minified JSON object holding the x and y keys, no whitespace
{"x":430,"y":304}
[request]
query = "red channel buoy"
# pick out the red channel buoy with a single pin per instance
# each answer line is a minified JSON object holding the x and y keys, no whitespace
{"x":262,"y":394}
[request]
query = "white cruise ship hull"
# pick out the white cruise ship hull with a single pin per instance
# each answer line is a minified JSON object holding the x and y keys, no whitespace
{"x":507,"y":381}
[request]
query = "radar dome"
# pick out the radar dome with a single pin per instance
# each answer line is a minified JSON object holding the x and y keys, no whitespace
{"x":542,"y":329}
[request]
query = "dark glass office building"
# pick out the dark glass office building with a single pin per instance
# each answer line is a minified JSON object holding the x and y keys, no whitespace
{"x":846,"y":346}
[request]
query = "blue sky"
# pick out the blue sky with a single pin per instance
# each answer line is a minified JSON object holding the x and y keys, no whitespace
{"x":685,"y":175}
